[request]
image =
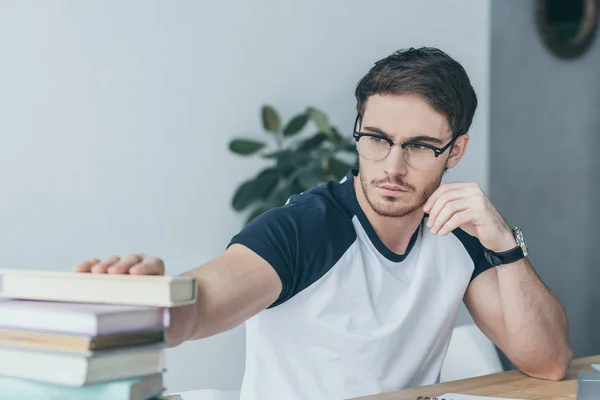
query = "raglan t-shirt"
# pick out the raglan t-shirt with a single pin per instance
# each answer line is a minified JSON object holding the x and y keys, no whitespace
{"x":353,"y":317}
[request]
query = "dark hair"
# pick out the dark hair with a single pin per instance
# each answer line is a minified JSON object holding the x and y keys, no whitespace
{"x":428,"y":72}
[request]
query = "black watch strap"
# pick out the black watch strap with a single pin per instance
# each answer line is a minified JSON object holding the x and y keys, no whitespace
{"x":505,"y":257}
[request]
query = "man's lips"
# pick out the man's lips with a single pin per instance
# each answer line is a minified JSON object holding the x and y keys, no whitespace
{"x":392,"y":190}
{"x":392,"y":187}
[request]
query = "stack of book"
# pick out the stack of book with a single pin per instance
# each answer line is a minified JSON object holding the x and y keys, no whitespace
{"x":85,"y":336}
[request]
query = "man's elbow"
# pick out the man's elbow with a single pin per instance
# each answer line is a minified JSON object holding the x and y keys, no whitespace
{"x":553,"y":370}
{"x":559,"y":368}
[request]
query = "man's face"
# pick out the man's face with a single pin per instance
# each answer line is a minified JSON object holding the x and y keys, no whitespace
{"x":391,"y":187}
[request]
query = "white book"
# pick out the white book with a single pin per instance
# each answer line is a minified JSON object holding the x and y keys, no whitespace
{"x":75,"y":370}
{"x":146,"y":290}
{"x":79,"y":318}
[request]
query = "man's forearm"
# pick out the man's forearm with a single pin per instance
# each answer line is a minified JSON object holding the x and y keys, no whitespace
{"x":230,"y":289}
{"x":181,"y":325}
{"x":536,"y":323}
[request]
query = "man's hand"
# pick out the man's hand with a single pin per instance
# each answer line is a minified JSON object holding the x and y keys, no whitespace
{"x":134,"y":264}
{"x":465,"y":206}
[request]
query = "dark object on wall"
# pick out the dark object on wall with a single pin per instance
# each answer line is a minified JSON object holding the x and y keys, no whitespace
{"x":567,"y":27}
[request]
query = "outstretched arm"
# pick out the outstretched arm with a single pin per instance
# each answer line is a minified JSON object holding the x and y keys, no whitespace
{"x":231,"y":288}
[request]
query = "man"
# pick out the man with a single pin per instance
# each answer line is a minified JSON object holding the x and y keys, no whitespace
{"x":352,"y":287}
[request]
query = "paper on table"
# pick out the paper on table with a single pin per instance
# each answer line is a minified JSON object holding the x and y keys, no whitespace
{"x":456,"y":396}
{"x":205,"y":394}
{"x":596,"y":367}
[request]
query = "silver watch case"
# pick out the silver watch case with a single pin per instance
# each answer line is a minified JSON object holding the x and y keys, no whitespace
{"x":520,"y":239}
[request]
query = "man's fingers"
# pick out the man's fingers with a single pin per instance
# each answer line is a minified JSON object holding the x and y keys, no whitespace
{"x":103,"y":265}
{"x":86,"y":265}
{"x":450,"y":208}
{"x":441,"y":202}
{"x":135,"y":264}
{"x":149,"y":266}
{"x":456,"y":221}
{"x":433,"y":199}
{"x":444,"y":188}
{"x":124,"y":264}
{"x":468,"y":187}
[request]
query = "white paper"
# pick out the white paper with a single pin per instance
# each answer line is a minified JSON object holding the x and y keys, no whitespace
{"x":206,"y":394}
{"x":456,"y":396}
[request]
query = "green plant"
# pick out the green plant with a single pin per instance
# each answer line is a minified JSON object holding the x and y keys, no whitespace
{"x":296,"y":163}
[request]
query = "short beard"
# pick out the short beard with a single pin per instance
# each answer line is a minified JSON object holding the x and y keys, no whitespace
{"x":392,"y":207}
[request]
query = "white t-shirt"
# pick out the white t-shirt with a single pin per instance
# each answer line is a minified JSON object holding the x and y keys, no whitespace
{"x":353,"y":318}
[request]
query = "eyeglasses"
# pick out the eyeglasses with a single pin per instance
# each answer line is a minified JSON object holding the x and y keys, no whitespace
{"x":417,"y":155}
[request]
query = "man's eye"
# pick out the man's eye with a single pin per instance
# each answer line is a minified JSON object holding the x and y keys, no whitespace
{"x":415,"y":147}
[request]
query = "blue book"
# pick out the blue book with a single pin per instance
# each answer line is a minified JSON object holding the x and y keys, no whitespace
{"x":142,"y":388}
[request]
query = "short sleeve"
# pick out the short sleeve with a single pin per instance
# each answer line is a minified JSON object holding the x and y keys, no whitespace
{"x":475,"y":250}
{"x":301,"y":240}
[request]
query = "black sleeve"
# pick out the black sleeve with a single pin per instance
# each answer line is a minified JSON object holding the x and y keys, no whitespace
{"x":301,"y":241}
{"x":475,"y":250}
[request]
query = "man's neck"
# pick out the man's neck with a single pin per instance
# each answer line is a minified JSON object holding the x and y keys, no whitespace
{"x":395,"y":233}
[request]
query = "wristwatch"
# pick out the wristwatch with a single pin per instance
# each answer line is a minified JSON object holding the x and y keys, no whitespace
{"x":512,"y":255}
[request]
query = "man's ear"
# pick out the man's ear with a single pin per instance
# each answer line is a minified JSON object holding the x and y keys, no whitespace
{"x":457,"y":150}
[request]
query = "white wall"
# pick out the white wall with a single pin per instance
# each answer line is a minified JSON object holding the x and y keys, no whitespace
{"x":115,"y":118}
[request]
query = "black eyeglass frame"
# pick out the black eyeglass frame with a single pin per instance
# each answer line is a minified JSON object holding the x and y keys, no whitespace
{"x":438,"y":151}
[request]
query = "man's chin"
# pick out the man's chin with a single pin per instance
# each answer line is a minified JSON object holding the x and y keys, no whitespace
{"x":393,"y":208}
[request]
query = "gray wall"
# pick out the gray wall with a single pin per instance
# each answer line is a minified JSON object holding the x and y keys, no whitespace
{"x":545,"y":128}
{"x":116,"y":118}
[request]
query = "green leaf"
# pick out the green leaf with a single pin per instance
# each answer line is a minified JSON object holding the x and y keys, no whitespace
{"x":310,"y":176}
{"x":278,"y":154}
{"x":283,"y":160}
{"x":297,"y":160}
{"x":294,"y":187}
{"x":245,"y":146}
{"x":312,"y":142}
{"x":255,"y":189}
{"x":244,"y":195}
{"x":287,"y":161}
{"x":349,"y":146}
{"x":321,"y":121}
{"x":338,"y":168}
{"x":258,"y":211}
{"x":270,"y":119}
{"x":336,"y":134}
{"x":295,"y":125}
{"x":323,"y":152}
{"x":280,"y":197}
{"x":266,"y":182}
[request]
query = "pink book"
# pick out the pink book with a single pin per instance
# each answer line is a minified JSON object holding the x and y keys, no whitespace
{"x":79,"y":318}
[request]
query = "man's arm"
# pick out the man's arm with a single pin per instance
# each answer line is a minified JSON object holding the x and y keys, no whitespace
{"x":509,"y":303}
{"x":275,"y":256}
{"x":231,"y":288}
{"x":514,"y":308}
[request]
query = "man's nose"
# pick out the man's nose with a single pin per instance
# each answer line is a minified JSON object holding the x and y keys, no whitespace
{"x":395,"y":164}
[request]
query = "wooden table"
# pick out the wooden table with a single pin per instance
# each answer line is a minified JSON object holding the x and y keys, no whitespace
{"x":511,"y":384}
